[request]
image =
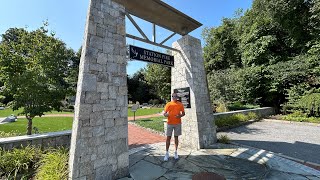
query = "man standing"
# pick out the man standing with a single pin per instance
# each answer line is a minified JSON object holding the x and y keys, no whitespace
{"x":174,"y":110}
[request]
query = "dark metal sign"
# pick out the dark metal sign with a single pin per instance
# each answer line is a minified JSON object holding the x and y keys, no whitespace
{"x":146,"y":55}
{"x":184,"y":96}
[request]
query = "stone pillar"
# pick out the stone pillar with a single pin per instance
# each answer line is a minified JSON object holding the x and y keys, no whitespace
{"x":198,"y":130}
{"x":99,"y":143}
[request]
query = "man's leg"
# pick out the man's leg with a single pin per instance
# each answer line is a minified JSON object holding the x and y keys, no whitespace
{"x":177,"y":133}
{"x":169,"y":134}
{"x":168,"y":143}
{"x":166,"y":156}
{"x":176,"y":142}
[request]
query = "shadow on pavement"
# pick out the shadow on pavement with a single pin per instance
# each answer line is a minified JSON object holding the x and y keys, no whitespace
{"x":301,"y":150}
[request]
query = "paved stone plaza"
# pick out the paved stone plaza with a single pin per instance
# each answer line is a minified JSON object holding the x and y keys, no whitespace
{"x":233,"y":162}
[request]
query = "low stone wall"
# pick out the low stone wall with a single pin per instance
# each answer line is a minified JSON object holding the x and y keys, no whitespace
{"x":53,"y":139}
{"x":63,"y":138}
{"x":262,"y":112}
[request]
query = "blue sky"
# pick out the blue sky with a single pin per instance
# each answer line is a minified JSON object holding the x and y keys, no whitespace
{"x":67,"y":19}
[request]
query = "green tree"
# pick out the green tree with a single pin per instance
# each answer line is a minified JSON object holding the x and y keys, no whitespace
{"x":33,"y":67}
{"x":259,"y":57}
{"x":221,"y":46}
{"x":73,"y":70}
{"x":314,"y":22}
{"x":273,"y":30}
{"x":138,"y":88}
{"x":158,"y":78}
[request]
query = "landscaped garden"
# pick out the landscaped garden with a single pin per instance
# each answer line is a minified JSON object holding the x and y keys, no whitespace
{"x":34,"y":163}
{"x":297,"y":116}
{"x":235,"y":120}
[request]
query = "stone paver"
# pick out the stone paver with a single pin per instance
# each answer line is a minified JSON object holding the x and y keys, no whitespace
{"x":144,"y":170}
{"x":230,"y":161}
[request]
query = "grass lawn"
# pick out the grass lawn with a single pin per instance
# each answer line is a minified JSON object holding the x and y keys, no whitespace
{"x":9,"y":111}
{"x":139,"y":112}
{"x":142,"y":112}
{"x":44,"y":124}
{"x":53,"y":124}
{"x":151,"y":123}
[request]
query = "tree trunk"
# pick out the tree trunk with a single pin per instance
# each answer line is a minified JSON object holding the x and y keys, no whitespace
{"x":29,"y":129}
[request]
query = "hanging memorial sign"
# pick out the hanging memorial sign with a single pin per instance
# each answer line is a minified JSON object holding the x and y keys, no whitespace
{"x":137,"y":53}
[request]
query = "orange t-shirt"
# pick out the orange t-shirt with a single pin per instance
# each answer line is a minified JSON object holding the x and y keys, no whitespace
{"x":174,"y":108}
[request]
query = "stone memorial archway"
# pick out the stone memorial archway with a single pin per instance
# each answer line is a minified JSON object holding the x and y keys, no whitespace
{"x":99,"y":143}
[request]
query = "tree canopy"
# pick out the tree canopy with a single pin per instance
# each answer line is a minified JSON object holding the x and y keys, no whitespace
{"x":34,"y":70}
{"x":159,"y":78}
{"x":259,"y":56}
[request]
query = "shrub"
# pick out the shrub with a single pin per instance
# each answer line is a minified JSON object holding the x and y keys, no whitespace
{"x":9,"y":134}
{"x":252,"y":115}
{"x":224,"y":139}
{"x":298,"y":114}
{"x":221,"y":107}
{"x":53,"y":165}
{"x":226,"y":121}
{"x":24,"y":162}
{"x":241,"y":117}
{"x":300,"y":117}
{"x":234,"y":119}
{"x":19,"y":161}
{"x":311,"y":104}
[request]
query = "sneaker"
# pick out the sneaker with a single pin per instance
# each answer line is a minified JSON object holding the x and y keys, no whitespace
{"x":176,"y":155}
{"x":166,"y":157}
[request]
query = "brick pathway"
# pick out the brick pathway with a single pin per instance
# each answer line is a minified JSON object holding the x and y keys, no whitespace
{"x":139,"y":136}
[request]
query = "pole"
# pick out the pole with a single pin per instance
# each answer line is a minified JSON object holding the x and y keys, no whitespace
{"x":134,"y":115}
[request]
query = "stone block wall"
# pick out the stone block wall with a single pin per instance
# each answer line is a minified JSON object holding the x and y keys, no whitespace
{"x":197,"y":129}
{"x":53,"y":139}
{"x":99,"y":142}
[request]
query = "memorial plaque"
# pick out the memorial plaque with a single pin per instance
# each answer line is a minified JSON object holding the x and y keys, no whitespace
{"x":184,"y":96}
{"x":137,"y":53}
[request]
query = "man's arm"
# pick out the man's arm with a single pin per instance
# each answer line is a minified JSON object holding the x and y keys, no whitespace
{"x":165,"y":114}
{"x":180,"y":115}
